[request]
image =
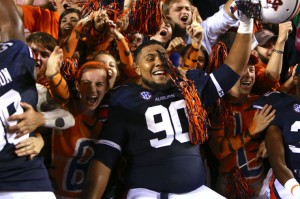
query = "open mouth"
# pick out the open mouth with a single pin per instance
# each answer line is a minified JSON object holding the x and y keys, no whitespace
{"x":68,"y":28}
{"x":246,"y":83}
{"x":184,"y":18}
{"x":37,"y":65}
{"x":91,"y":99}
{"x":163,"y":33}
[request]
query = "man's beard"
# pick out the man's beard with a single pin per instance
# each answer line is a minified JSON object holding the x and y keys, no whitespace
{"x":159,"y":87}
{"x":263,"y":59}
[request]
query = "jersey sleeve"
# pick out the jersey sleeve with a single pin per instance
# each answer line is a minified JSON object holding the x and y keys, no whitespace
{"x":214,"y":85}
{"x":109,"y":145}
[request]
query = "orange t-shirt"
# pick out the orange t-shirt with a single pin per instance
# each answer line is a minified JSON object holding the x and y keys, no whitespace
{"x":262,"y":83}
{"x":39,"y":19}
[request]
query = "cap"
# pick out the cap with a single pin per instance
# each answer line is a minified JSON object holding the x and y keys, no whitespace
{"x":253,"y":59}
{"x":262,"y":36}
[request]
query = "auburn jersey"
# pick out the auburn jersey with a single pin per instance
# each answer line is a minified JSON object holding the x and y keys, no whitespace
{"x":72,"y":150}
{"x":288,"y":120}
{"x":17,"y":84}
{"x":151,"y":128}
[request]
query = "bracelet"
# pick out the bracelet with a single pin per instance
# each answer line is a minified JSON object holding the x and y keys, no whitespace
{"x":277,"y":51}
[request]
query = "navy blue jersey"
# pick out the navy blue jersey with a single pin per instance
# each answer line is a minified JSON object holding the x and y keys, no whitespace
{"x":288,"y":120}
{"x":151,"y":129}
{"x":17,"y":84}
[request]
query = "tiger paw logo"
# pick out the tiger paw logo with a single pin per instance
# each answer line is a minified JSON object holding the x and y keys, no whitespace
{"x":275,"y":3}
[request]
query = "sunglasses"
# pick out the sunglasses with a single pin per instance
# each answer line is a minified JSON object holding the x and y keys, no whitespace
{"x":44,"y":54}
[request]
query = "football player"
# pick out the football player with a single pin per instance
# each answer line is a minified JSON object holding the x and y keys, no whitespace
{"x":283,"y":142}
{"x":19,"y":176}
{"x":148,"y":124}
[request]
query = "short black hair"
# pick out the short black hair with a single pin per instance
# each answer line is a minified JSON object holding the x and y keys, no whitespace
{"x":138,"y":50}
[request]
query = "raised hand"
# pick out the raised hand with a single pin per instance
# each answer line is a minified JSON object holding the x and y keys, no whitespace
{"x":195,"y":30}
{"x":175,"y":44}
{"x":54,"y":62}
{"x":284,"y":30}
{"x":100,"y":18}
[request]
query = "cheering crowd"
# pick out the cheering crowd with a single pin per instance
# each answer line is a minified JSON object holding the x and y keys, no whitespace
{"x":144,"y":99}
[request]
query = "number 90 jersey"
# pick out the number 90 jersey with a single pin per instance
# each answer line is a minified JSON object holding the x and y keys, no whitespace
{"x":17,"y":84}
{"x":288,"y":120}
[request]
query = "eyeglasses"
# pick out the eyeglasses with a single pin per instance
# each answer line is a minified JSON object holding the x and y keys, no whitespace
{"x":44,"y":54}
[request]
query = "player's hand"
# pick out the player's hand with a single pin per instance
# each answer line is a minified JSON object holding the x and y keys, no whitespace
{"x":262,"y":119}
{"x":175,"y":44}
{"x":32,"y":146}
{"x":262,"y":151}
{"x":28,"y":121}
{"x":54,"y":62}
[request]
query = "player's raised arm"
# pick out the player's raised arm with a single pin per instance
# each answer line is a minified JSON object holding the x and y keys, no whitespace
{"x":11,"y":25}
{"x":239,"y":54}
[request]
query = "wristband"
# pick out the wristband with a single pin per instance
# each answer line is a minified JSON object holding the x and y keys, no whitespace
{"x":277,"y":51}
{"x":296,"y":190}
{"x":246,"y":25}
{"x":292,"y":186}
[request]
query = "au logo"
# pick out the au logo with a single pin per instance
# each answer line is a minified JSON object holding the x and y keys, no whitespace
{"x":146,"y":95}
{"x":275,"y":3}
{"x":297,"y":108}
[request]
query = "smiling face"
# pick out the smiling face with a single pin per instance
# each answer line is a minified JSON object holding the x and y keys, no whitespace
{"x":245,"y":83}
{"x":42,"y":55}
{"x":180,"y":12}
{"x":149,"y":67}
{"x":92,"y":87}
{"x":164,"y":34}
{"x":111,"y":64}
{"x":67,"y":23}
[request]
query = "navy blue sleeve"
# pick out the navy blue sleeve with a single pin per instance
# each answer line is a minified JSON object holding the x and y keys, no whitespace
{"x":215,"y":85}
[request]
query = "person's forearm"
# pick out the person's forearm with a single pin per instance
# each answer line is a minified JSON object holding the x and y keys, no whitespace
{"x":274,"y":65}
{"x":239,"y":54}
{"x":95,"y":181}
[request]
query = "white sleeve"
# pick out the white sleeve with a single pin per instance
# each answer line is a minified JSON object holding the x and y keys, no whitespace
{"x":215,"y":26}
